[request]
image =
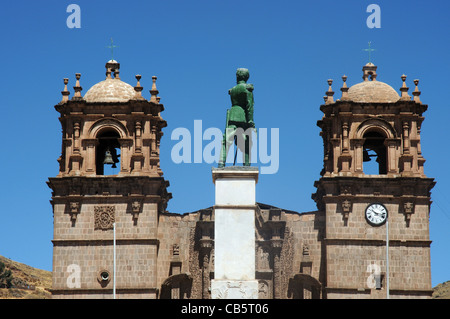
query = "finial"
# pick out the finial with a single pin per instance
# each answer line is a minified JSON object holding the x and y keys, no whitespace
{"x":330,"y":92}
{"x":77,"y":88}
{"x":404,"y":89}
{"x":416,"y":92}
{"x":112,"y":46}
{"x":154,"y":92}
{"x":65,"y":93}
{"x":344,"y":88}
{"x":138,"y":88}
{"x":369,"y":50}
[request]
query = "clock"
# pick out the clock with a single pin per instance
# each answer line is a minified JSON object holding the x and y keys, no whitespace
{"x":376,"y":214}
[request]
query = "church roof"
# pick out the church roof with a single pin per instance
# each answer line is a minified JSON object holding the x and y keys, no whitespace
{"x":110,"y":89}
{"x":371,"y":90}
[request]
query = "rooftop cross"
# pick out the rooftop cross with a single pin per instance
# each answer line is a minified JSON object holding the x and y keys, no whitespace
{"x":369,"y":50}
{"x":112,"y":46}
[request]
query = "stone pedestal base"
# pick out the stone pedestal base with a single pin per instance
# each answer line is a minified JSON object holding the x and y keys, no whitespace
{"x":234,"y":289}
{"x":234,"y":232}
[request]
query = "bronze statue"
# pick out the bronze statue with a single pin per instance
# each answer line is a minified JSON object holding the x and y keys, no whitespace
{"x":239,"y":119}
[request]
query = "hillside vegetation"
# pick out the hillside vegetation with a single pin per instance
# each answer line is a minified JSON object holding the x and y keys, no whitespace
{"x":442,"y":291}
{"x":27,"y":282}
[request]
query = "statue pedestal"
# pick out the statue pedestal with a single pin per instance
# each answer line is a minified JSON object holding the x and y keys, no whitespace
{"x":234,"y":233}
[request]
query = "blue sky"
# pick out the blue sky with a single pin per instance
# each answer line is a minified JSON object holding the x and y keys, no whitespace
{"x":194,"y":47}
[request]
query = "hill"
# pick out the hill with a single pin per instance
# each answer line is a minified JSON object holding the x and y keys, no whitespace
{"x":442,"y":291}
{"x":27,"y":282}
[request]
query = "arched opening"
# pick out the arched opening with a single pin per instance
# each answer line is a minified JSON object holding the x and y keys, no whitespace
{"x":374,"y":154}
{"x":303,"y":286}
{"x":107,"y":155}
{"x":177,"y":287}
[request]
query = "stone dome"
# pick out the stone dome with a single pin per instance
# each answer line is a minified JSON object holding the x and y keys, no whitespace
{"x":373,"y":92}
{"x":110,"y":90}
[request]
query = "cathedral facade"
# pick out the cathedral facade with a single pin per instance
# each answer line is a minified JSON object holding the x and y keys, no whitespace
{"x":368,"y":238}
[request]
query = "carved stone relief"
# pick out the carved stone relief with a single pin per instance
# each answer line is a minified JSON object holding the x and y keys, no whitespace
{"x":104,"y":217}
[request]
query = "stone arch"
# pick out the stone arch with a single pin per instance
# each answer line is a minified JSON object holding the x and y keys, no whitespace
{"x":375,"y":125}
{"x":303,"y":286}
{"x":374,"y":133}
{"x":108,"y":124}
{"x":108,"y":133}
{"x":177,"y":287}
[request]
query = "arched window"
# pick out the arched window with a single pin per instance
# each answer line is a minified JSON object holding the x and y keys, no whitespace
{"x":107,"y":157}
{"x":374,"y":153}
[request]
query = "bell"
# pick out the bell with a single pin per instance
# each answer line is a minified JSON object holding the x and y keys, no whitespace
{"x":108,"y":158}
{"x":114,"y":157}
{"x":366,"y":156}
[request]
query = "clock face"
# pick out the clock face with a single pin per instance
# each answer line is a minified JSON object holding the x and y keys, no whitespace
{"x":376,"y":214}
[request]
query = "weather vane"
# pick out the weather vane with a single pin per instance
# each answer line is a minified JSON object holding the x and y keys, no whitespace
{"x":369,"y":50}
{"x":112,"y":46}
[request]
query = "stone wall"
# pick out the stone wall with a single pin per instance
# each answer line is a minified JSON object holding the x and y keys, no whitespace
{"x":84,"y":244}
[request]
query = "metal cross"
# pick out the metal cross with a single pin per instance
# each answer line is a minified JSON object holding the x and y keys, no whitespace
{"x":369,"y":50}
{"x":112,"y":46}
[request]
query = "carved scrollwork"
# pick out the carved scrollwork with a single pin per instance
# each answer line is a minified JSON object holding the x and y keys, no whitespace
{"x":104,"y":217}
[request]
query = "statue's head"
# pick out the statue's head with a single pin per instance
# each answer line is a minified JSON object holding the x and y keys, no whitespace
{"x":242,"y":74}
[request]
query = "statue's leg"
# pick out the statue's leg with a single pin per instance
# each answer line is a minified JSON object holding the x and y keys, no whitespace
{"x":223,"y":152}
{"x":228,"y":139}
{"x":247,"y":153}
{"x":244,"y":143}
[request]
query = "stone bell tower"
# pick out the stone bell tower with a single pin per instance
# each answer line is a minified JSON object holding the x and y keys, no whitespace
{"x":109,"y":174}
{"x":372,"y":126}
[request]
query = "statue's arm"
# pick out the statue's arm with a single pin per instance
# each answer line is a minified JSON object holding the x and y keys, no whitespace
{"x":250,"y":107}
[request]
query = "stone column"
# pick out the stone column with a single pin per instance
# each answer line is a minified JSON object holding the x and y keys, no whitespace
{"x":392,"y":156}
{"x":90,"y":144}
{"x":358,"y":154}
{"x":125,"y":160}
{"x":138,"y":136}
{"x":234,"y":232}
